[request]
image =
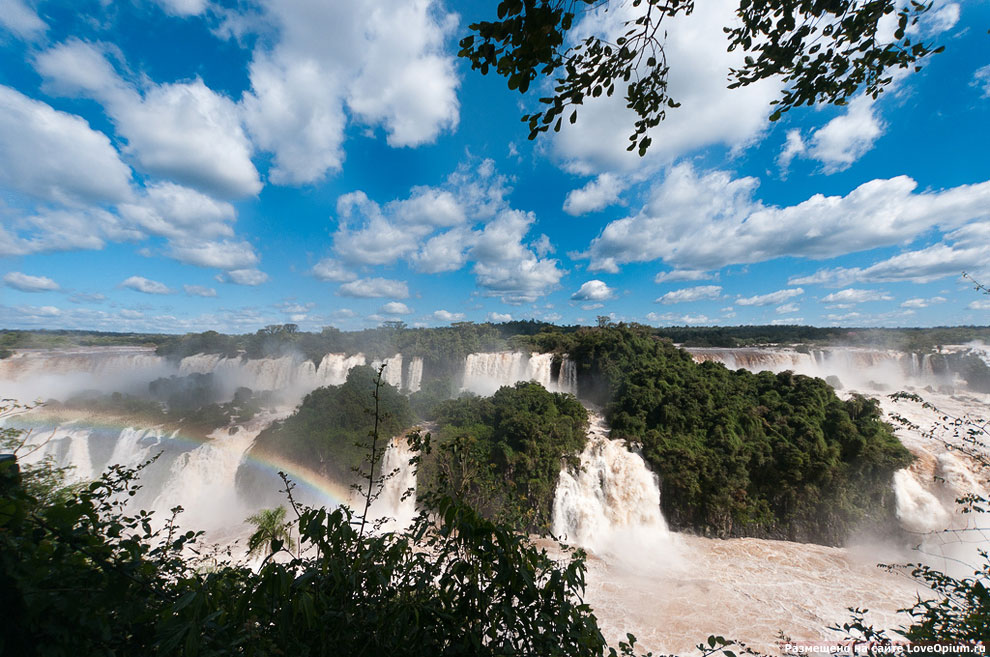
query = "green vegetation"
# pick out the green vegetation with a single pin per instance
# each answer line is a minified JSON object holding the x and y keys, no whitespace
{"x":502,"y":454}
{"x":742,"y":454}
{"x":81,"y":576}
{"x":329,"y":429}
{"x":819,"y":52}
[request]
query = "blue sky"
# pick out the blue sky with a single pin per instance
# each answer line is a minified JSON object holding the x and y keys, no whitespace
{"x":180,"y":165}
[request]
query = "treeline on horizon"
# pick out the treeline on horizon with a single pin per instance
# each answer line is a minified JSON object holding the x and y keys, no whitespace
{"x":462,"y":338}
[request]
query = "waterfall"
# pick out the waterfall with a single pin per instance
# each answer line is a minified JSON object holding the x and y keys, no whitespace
{"x":414,"y":375}
{"x":392,"y":374}
{"x":611,"y":504}
{"x":484,"y":373}
{"x":333,"y":369}
{"x":401,"y":479}
{"x":59,"y":373}
{"x":857,"y":368}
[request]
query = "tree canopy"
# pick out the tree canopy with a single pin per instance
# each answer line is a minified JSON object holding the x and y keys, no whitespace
{"x":825,"y":52}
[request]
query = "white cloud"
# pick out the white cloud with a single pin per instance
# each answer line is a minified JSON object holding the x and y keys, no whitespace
{"x":709,"y":114}
{"x":979,"y":305}
{"x":684,"y":275}
{"x":784,"y":321}
{"x":787,"y":308}
{"x":179,"y":212}
{"x":599,"y":193}
{"x":676,"y":318}
{"x":495,"y":318}
{"x":221,"y":255}
{"x":447,"y":316}
{"x":593,"y":291}
{"x":963,"y":249}
{"x":922,"y":303}
{"x":688,"y":294}
{"x":27,"y":283}
{"x":395,"y":308}
{"x":505,"y":267}
{"x":199,"y":291}
{"x":184,"y":7}
{"x":440,"y":229}
{"x":793,"y":146}
{"x":847,"y":137}
{"x":370,"y":288}
{"x":62,"y":230}
{"x":329,"y":269}
{"x":22,"y":20}
{"x":383,"y":62}
{"x":142,"y":284}
{"x":184,"y":130}
{"x":981,"y":80}
{"x":248,"y":277}
{"x":772,"y":298}
{"x":57,"y":157}
{"x":849,"y":296}
{"x":709,"y":221}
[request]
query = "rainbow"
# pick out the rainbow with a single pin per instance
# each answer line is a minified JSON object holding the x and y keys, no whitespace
{"x":332,"y":493}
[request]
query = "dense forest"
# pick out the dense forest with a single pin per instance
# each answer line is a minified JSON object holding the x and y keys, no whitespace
{"x":329,"y":429}
{"x":742,"y":454}
{"x":502,"y":454}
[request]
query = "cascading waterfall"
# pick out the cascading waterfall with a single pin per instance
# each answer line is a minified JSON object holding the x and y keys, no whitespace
{"x":397,"y":500}
{"x":392,"y":373}
{"x":414,"y":375}
{"x":855,"y":367}
{"x":484,"y":373}
{"x":610,"y":504}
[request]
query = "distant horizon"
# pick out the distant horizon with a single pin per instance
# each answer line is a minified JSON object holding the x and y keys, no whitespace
{"x":685,"y":327}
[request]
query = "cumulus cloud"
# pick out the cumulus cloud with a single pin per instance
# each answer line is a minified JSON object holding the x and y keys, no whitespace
{"x":963,"y":249}
{"x":178,"y":212}
{"x":772,"y":298}
{"x":147,"y":286}
{"x":921,"y":302}
{"x":184,"y":130}
{"x":709,"y":114}
{"x":850,"y":296}
{"x":17,"y":17}
{"x":599,"y":193}
{"x":675,"y":318}
{"x":688,"y":294}
{"x":329,"y":269}
{"x":370,"y":288}
{"x":447,"y":316}
{"x":27,"y":283}
{"x":684,"y":275}
{"x":199,"y":291}
{"x":787,"y":308}
{"x":220,"y":255}
{"x":593,"y":291}
{"x":711,"y":220}
{"x":793,"y":146}
{"x":379,"y":63}
{"x":249,"y":277}
{"x":184,"y":8}
{"x":395,"y":308}
{"x":443,"y":228}
{"x":499,"y":317}
{"x":505,"y":267}
{"x":57,"y":157}
{"x":847,"y":137}
{"x":62,"y":230}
